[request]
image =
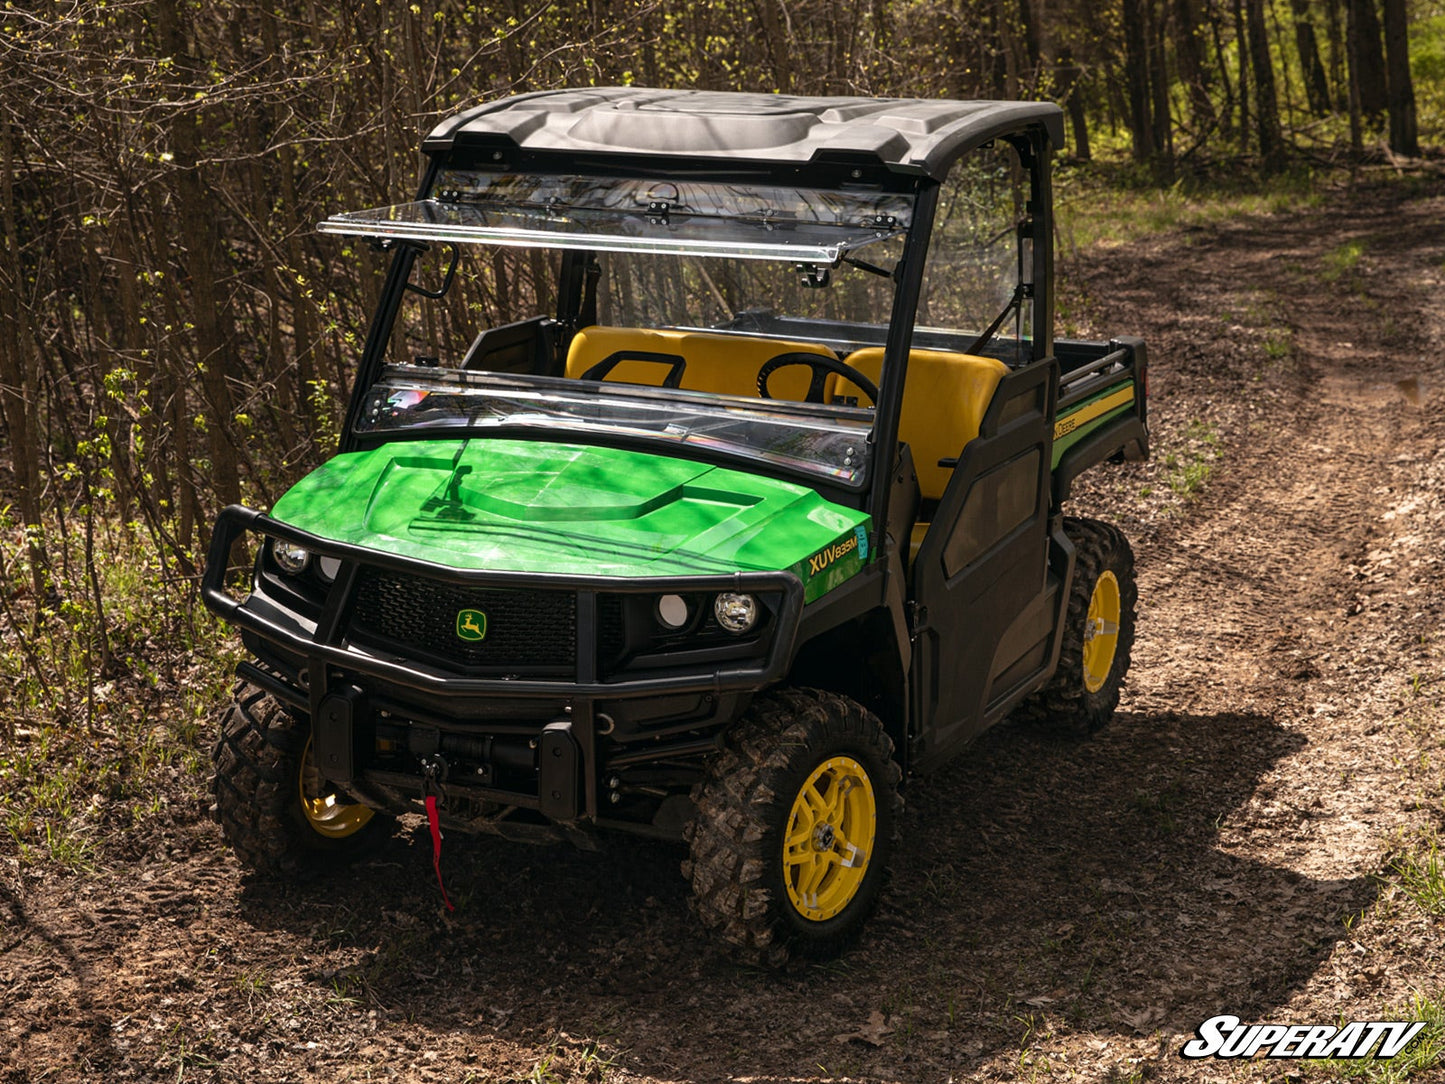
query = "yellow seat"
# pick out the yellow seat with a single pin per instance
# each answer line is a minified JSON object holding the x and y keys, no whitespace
{"x":944,"y":401}
{"x":716,"y":363}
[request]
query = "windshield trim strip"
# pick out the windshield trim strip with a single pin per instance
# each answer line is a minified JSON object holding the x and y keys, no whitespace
{"x":514,"y":237}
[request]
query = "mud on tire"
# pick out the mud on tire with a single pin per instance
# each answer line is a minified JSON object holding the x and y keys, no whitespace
{"x":276,"y":819}
{"x":818,"y":766}
{"x":1081,"y":696}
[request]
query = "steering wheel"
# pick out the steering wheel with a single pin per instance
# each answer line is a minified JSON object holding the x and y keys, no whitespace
{"x":821,"y":364}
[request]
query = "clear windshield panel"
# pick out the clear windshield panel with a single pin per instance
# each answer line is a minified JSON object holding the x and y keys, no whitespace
{"x":409,"y":398}
{"x":688,"y":291}
{"x":606,"y":214}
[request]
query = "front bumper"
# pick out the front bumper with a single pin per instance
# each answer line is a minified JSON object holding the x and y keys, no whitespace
{"x":531,"y":738}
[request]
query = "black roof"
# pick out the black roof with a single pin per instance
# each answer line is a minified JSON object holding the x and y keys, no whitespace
{"x":906,"y":134}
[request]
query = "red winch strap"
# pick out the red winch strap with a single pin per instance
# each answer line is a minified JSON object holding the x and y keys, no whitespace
{"x":436,"y":845}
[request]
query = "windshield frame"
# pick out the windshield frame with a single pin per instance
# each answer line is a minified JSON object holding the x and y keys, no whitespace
{"x":752,"y":220}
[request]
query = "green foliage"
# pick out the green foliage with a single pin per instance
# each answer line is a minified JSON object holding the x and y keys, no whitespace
{"x":1110,"y":204}
{"x":1427,"y":69}
{"x":1424,"y":1055}
{"x":1343,"y":260}
{"x":1421,"y":873}
{"x":104,"y":728}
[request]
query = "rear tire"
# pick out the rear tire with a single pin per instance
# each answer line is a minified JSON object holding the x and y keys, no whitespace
{"x":274,"y":809}
{"x":794,"y":827}
{"x":1081,"y":697}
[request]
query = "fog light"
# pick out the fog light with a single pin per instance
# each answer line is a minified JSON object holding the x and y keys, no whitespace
{"x":736,"y":613}
{"x":672,"y":612}
{"x":292,"y":558}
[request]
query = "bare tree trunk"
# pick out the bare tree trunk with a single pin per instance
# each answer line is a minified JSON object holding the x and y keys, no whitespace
{"x":1033,"y":47}
{"x":1242,"y":46}
{"x":1069,"y":76}
{"x":1136,"y":76}
{"x":1367,"y":59}
{"x":1159,"y":79}
{"x":19,"y":382}
{"x":1317,"y":89}
{"x":193,"y":211}
{"x":1228,"y":116}
{"x":1266,"y":107}
{"x":773,"y":17}
{"x":1339,"y":81}
{"x":1404,"y":130}
{"x":1191,"y":67}
{"x":1357,"y":141}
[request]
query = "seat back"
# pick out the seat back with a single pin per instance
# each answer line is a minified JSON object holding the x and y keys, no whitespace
{"x":944,"y":401}
{"x":716,"y":363}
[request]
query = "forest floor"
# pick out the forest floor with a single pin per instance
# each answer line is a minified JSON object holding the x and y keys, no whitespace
{"x":1253,"y":835}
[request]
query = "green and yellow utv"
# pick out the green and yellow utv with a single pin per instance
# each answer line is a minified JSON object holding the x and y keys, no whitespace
{"x":747,"y":509}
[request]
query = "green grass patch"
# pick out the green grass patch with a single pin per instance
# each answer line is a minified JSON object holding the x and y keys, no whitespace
{"x":1421,"y":873}
{"x":112,"y":681}
{"x":1343,"y":260}
{"x":1279,"y":343}
{"x":1188,"y":467}
{"x":1425,"y":1054}
{"x":1108,"y":204}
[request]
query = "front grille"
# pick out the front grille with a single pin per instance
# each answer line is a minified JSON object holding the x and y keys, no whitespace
{"x":527,"y":631}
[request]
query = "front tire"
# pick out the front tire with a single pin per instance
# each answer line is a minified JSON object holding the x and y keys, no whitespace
{"x":1098,"y":634}
{"x":274,"y":809}
{"x":794,"y":827}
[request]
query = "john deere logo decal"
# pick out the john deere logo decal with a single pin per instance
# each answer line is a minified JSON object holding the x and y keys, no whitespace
{"x":471,"y":625}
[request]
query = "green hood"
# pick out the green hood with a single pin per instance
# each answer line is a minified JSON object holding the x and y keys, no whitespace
{"x":531,"y":506}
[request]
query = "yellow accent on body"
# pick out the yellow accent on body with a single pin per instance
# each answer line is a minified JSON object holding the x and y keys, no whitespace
{"x":1101,"y":631}
{"x":1097,"y":409}
{"x":829,"y":838}
{"x":326,"y":814}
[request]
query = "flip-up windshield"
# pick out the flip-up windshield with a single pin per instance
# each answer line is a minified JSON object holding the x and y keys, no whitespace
{"x":714,"y":315}
{"x":608,"y":214}
{"x":406,"y":399}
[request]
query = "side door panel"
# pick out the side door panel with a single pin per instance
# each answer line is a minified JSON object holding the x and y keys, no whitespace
{"x":978,"y":582}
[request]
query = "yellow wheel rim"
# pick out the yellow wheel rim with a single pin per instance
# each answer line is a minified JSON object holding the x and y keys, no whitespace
{"x":1101,"y":632}
{"x":829,"y":840}
{"x":327,"y":815}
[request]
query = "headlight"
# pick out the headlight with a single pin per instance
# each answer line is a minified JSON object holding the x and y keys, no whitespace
{"x":736,"y":613}
{"x":672,"y":612}
{"x":328,"y":567}
{"x":292,"y":558}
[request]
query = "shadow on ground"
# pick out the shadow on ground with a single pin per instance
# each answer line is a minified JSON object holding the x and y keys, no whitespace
{"x":1078,"y":883}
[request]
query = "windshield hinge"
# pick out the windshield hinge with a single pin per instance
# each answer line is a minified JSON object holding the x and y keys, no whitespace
{"x":658,"y":212}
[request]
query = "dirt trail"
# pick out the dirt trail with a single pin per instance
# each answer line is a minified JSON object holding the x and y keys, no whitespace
{"x":1057,"y":908}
